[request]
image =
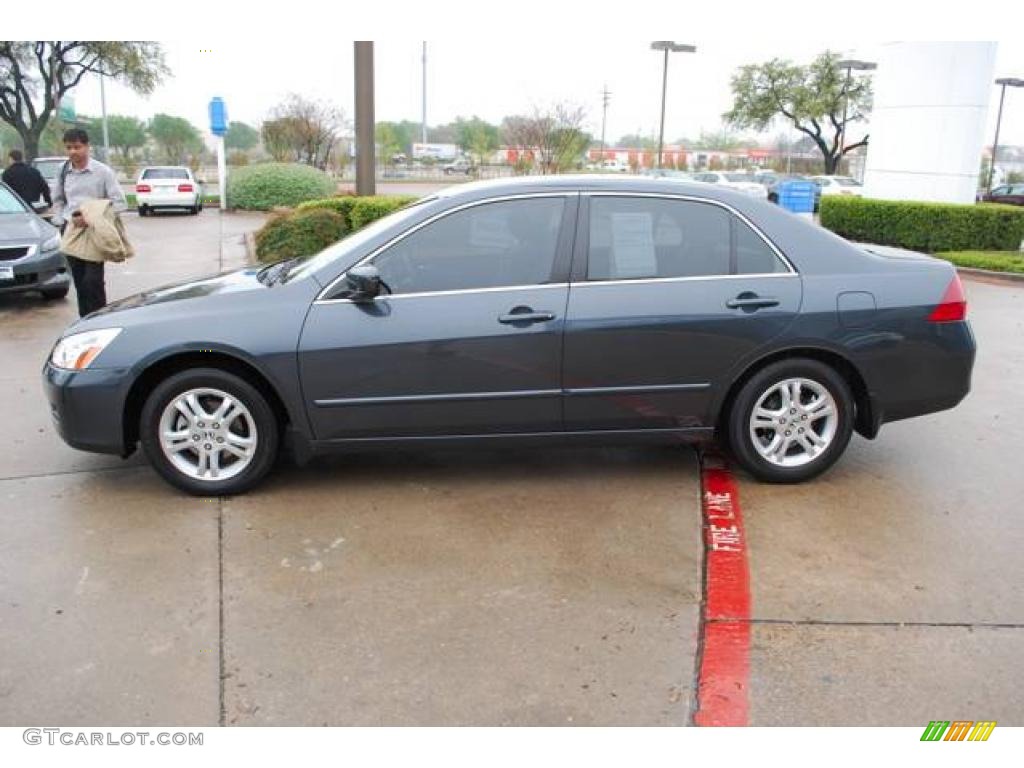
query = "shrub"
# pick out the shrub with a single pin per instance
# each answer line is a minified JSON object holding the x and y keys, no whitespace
{"x":302,"y":233}
{"x":367,"y":209}
{"x":261,"y":187}
{"x":341,"y":205}
{"x":926,"y":227}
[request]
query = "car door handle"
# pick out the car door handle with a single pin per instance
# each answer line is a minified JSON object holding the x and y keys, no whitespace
{"x":525,"y":315}
{"x":751,"y":301}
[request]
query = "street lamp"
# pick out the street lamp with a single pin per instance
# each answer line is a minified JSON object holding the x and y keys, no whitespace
{"x":849,"y":65}
{"x":1013,"y":83}
{"x":667,"y":46}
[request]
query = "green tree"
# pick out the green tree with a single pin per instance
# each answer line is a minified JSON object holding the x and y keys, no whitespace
{"x":389,"y":140}
{"x":177,"y":138}
{"x":477,"y":137}
{"x":126,"y":134}
{"x":636,"y":141}
{"x":813,"y":98}
{"x":241,"y":136}
{"x":36,"y":75}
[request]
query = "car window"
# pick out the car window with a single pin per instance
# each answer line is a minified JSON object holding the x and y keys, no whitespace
{"x":648,"y":237}
{"x":10,"y":202}
{"x":506,"y":243}
{"x":844,"y":182}
{"x":753,"y":254}
{"x":1017,"y":189}
{"x":1000,"y":191}
{"x":165,"y":173}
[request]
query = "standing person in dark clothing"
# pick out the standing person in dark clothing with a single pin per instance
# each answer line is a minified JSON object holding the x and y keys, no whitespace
{"x":27,"y":181}
{"x":82,"y":179}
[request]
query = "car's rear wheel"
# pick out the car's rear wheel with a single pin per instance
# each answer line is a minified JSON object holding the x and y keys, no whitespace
{"x":791,"y":420}
{"x":143,"y":210}
{"x":209,"y":432}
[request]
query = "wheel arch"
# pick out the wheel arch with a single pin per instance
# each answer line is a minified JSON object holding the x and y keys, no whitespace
{"x":160,"y":369}
{"x":866,"y":420}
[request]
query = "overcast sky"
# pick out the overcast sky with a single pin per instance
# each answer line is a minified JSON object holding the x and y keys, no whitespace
{"x":491,"y":75}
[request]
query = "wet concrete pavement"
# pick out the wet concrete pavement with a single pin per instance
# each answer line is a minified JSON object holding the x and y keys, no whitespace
{"x":501,"y":587}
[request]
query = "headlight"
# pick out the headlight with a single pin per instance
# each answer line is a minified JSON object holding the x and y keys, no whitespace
{"x":52,"y":244}
{"x":76,"y":352}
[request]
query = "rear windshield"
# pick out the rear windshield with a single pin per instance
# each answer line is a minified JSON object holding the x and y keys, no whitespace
{"x":165,"y":173}
{"x":49,"y":168}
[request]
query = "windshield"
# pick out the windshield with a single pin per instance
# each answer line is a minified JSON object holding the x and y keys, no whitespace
{"x":165,"y":173}
{"x":10,"y":202}
{"x":355,"y":240}
{"x":842,"y":181}
{"x":738,"y":177}
{"x":49,"y":168}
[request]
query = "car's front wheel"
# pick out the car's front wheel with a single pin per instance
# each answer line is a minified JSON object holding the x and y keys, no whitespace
{"x":791,"y":420}
{"x":209,"y":432}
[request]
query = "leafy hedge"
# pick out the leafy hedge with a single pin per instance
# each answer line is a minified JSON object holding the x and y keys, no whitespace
{"x":270,"y":185}
{"x":926,"y":227}
{"x":367,"y":209}
{"x":302,"y":233}
{"x":341,"y":205}
{"x":315,"y":224}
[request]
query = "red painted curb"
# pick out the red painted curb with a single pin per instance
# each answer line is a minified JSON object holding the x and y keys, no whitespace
{"x":722,"y":695}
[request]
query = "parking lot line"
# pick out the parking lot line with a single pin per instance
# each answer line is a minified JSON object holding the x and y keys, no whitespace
{"x":724,"y":662}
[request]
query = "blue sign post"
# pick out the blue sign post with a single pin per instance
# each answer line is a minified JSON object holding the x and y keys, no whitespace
{"x":219,"y":127}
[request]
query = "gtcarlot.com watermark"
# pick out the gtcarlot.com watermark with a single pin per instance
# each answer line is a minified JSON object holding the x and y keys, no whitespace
{"x":71,"y":738}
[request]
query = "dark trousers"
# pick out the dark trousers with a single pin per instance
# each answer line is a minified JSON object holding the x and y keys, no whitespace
{"x":89,"y":287}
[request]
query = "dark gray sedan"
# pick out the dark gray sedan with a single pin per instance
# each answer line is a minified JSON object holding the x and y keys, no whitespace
{"x":30,"y":258}
{"x":524,"y":312}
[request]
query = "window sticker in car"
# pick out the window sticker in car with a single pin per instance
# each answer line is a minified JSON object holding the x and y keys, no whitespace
{"x":633,"y":245}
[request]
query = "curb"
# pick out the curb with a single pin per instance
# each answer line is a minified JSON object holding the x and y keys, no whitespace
{"x":1009,"y":277}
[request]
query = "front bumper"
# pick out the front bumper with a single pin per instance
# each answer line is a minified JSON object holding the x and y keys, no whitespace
{"x":87,"y":407}
{"x":40,"y":271}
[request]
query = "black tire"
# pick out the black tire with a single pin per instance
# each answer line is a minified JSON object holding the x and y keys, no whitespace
{"x":143,"y":210}
{"x":52,"y":294}
{"x":741,"y":443}
{"x":773,"y":198}
{"x":266,"y":428}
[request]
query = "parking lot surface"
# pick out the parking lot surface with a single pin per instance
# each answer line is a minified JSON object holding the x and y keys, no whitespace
{"x":556,"y":587}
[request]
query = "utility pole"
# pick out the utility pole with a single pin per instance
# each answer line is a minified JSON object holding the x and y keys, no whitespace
{"x":605,"y":98}
{"x":103,"y":110}
{"x":365,"y":150}
{"x":423,"y":131}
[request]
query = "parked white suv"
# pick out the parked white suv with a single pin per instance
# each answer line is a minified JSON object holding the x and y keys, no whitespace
{"x":168,"y":186}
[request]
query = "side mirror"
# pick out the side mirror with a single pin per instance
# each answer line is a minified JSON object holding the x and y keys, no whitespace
{"x":39,"y":207}
{"x":363,"y":282}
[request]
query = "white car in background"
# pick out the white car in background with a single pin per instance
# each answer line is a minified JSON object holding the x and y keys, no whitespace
{"x":838,"y":185}
{"x":168,"y":186}
{"x":741,"y":182}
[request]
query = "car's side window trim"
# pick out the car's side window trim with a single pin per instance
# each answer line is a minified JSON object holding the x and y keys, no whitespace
{"x":582,"y":252}
{"x":559,"y":269}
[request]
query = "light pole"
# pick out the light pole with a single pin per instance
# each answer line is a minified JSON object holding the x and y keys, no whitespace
{"x":365,"y":162}
{"x":1013,"y":83}
{"x":849,"y":65}
{"x":605,"y":98}
{"x":668,"y":47}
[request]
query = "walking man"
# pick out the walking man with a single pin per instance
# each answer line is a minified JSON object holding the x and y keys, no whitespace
{"x":26,"y":180}
{"x":84,"y":179}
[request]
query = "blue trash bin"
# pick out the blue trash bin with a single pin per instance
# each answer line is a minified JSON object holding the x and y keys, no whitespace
{"x":797,"y":196}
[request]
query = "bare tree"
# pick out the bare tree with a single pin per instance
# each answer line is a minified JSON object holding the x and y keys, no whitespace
{"x":303,"y":130}
{"x":554,"y":134}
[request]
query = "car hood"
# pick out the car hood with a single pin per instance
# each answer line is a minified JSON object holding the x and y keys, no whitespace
{"x":191,"y":290}
{"x":24,"y":227}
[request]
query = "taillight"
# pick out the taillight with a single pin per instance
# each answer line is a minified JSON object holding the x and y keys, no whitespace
{"x":143,"y":188}
{"x":953,"y":306}
{"x":184,"y":187}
